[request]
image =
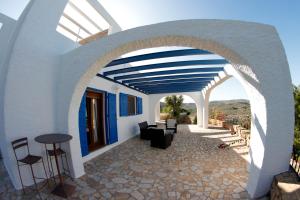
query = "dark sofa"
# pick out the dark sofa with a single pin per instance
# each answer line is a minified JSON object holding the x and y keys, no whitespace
{"x":145,"y":130}
{"x":161,"y":138}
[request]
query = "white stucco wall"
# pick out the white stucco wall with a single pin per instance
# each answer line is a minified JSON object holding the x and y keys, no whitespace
{"x":8,"y":26}
{"x":34,"y":60}
{"x":29,"y":75}
{"x":127,"y":125}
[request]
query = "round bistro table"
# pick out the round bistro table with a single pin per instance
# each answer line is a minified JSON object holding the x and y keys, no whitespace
{"x":62,"y":189}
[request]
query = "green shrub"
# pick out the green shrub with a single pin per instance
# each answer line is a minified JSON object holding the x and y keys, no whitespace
{"x":297,"y":143}
{"x":174,"y":105}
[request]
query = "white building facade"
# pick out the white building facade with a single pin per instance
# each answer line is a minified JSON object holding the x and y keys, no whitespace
{"x":44,"y":76}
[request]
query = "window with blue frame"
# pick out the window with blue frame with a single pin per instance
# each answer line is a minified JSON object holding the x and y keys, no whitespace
{"x":130,"y":105}
{"x":131,"y":100}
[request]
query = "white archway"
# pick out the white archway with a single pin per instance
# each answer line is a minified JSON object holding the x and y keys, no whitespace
{"x":154,"y":102}
{"x":229,"y":39}
{"x":255,"y":51}
{"x":229,"y":72}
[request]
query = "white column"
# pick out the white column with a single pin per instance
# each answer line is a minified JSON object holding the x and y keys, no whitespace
{"x":157,"y":111}
{"x":199,"y":116}
{"x":199,"y":101}
{"x":206,"y":95}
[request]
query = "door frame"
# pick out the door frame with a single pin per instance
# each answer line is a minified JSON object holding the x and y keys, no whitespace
{"x":104,"y":93}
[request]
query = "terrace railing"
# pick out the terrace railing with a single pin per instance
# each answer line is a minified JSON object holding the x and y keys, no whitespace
{"x":295,"y":161}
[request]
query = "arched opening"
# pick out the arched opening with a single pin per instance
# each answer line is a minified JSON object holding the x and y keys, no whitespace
{"x":230,"y":109}
{"x":187,"y":139}
{"x":188,"y":109}
{"x":230,"y":105}
{"x":159,"y":98}
{"x":253,"y":77}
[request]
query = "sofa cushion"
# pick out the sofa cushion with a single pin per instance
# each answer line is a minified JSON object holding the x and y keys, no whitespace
{"x":143,"y":125}
{"x":169,"y":131}
{"x":171,"y":123}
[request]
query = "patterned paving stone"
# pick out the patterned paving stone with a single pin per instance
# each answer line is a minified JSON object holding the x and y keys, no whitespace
{"x":193,"y":167}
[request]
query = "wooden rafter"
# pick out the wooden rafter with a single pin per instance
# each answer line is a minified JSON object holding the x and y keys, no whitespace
{"x":94,"y":37}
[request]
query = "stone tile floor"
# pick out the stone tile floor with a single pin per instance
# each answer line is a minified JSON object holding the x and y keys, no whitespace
{"x":193,"y":167}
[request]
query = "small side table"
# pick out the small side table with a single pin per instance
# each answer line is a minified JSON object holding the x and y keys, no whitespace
{"x":62,"y":189}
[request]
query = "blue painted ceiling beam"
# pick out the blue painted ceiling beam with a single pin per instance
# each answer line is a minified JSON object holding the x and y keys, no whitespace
{"x":160,"y":78}
{"x":163,"y":54}
{"x":112,"y":80}
{"x":171,"y":86}
{"x":183,"y":81}
{"x":166,"y":65}
{"x":173,"y":91}
{"x":147,"y":90}
{"x":172,"y":81}
{"x":166,"y":72}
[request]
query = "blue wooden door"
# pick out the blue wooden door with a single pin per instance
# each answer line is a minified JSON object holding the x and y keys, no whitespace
{"x":82,"y":127}
{"x":111,"y":119}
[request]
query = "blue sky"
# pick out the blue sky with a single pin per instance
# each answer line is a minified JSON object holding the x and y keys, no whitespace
{"x":284,"y":15}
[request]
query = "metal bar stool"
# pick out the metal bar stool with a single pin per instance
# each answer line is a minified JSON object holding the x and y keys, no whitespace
{"x":63,"y":156}
{"x":30,"y":160}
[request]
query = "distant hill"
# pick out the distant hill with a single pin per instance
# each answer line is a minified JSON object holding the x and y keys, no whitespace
{"x":191,"y":107}
{"x":236,"y":111}
{"x":188,"y":106}
{"x":228,"y":106}
{"x":231,"y":107}
{"x":231,"y":101}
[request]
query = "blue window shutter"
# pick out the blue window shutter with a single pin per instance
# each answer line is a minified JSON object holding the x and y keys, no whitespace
{"x":82,"y":127}
{"x":123,"y":104}
{"x":139,"y":105}
{"x":111,"y":118}
{"x":106,"y":118}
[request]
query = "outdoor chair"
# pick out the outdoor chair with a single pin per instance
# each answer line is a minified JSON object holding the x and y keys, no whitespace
{"x":64,"y":161}
{"x":29,"y":159}
{"x":171,"y":124}
{"x":161,"y":138}
{"x":145,"y":130}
